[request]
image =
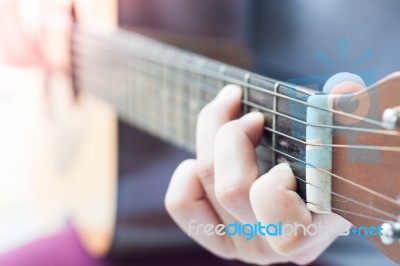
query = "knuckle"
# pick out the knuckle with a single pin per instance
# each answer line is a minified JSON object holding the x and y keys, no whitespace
{"x":229,"y":196}
{"x":205,"y":171}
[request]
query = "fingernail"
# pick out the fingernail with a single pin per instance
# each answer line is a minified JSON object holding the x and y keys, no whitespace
{"x":281,"y":167}
{"x":230,"y":91}
{"x":253,"y":117}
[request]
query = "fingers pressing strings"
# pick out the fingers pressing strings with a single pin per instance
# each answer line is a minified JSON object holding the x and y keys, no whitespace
{"x":224,"y":108}
{"x":236,"y":164}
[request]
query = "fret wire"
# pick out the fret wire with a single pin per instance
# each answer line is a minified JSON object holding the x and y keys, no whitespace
{"x":179,"y":100}
{"x":274,"y":117}
{"x":156,"y":96}
{"x":193,"y":94}
{"x":149,"y":95}
{"x":171,"y":81}
{"x":154,"y":116}
{"x":184,"y":95}
{"x":183,"y":81}
{"x":222,"y":71}
{"x":385,"y":148}
{"x":114,"y":95}
{"x":152,"y":102}
{"x":364,"y":119}
{"x":229,"y":79}
{"x":313,"y":125}
{"x":375,"y":131}
{"x":153,"y":98}
{"x":246,"y":92}
{"x":201,"y":88}
{"x":281,"y":152}
{"x":294,"y":119}
{"x":210,"y":81}
{"x":178,"y":96}
{"x":165,"y":96}
{"x":213,"y":90}
{"x":202,"y":98}
{"x":195,"y":106}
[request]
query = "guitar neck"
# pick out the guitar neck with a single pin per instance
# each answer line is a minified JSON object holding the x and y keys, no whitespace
{"x":160,"y":88}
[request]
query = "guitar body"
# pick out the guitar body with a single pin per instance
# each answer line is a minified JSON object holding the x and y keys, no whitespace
{"x":150,"y":94}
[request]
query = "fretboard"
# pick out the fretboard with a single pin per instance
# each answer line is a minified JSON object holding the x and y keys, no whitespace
{"x":161,"y":89}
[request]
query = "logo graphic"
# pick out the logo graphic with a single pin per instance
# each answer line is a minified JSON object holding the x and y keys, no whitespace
{"x":355,"y":103}
{"x":249,"y":231}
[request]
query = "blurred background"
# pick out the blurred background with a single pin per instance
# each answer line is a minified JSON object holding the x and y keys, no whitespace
{"x":78,"y":186}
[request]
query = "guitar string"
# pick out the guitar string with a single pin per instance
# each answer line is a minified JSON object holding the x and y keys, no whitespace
{"x":355,"y":201}
{"x":383,"y":197}
{"x":262,"y":89}
{"x":364,"y":147}
{"x":257,"y":106}
{"x":366,"y":130}
{"x":218,"y":76}
{"x":268,"y":91}
{"x":374,"y":209}
{"x":350,"y":212}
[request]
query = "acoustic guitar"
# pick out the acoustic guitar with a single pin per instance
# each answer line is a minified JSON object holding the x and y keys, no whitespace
{"x":345,"y":161}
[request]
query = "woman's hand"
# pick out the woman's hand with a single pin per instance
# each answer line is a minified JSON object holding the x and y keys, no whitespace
{"x":223,"y":186}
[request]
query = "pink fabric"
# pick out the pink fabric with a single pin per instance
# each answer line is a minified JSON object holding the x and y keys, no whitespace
{"x":64,"y":249}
